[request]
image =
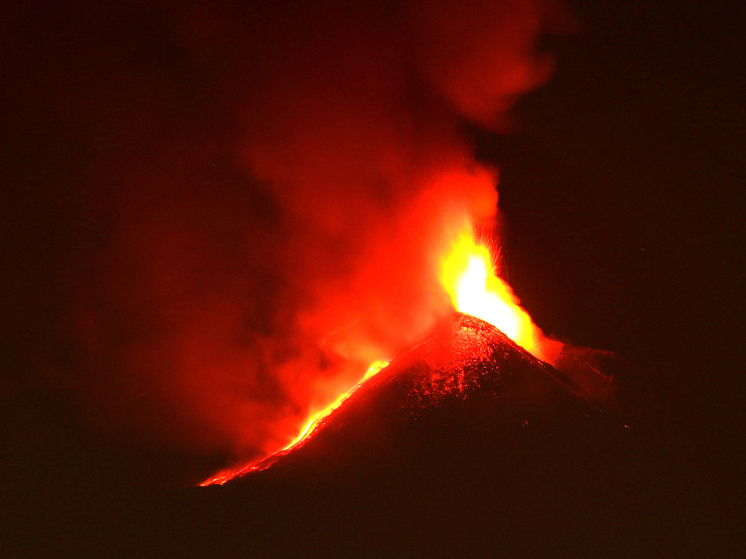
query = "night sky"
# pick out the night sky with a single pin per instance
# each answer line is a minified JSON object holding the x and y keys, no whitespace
{"x":621,"y":199}
{"x":635,"y":153}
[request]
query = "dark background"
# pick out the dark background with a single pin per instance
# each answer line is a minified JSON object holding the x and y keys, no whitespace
{"x":631,"y":162}
{"x":621,"y":192}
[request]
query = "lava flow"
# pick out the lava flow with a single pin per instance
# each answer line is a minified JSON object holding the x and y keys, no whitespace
{"x":467,"y":274}
{"x":311,"y":425}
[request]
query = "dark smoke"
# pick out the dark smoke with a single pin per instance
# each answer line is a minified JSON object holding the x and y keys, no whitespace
{"x":250,"y":198}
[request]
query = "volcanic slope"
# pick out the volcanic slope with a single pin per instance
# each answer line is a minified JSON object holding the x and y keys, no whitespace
{"x":465,"y":445}
{"x":464,"y":384}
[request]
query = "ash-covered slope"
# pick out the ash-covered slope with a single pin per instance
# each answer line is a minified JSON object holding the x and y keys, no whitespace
{"x":465,"y":446}
{"x":464,"y":386}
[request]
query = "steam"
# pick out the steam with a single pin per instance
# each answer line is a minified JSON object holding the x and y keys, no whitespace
{"x":280,"y":227}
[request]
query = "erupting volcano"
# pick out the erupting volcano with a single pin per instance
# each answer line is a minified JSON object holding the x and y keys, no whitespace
{"x":331,"y":259}
{"x":490,"y":352}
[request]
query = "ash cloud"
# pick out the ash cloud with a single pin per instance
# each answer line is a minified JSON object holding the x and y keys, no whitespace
{"x":262,"y":194}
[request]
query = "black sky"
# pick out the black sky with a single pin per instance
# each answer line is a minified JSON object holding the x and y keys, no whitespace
{"x":639,"y":138}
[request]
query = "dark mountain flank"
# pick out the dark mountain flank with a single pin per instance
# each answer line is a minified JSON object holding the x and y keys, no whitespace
{"x":464,"y":446}
{"x":465,"y":384}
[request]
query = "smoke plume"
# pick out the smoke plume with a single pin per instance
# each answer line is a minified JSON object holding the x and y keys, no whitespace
{"x":268,"y":188}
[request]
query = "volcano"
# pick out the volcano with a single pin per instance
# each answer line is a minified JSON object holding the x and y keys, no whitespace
{"x":464,"y":444}
{"x":464,"y":381}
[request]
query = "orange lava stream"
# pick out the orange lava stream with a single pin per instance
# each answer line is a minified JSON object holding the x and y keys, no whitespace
{"x":311,"y":425}
{"x":317,"y":418}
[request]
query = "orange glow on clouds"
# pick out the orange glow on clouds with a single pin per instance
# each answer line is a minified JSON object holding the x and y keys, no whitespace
{"x":468,"y":276}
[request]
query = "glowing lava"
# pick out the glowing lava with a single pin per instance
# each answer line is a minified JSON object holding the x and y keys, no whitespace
{"x":468,"y":275}
{"x":311,"y":425}
{"x":319,"y":417}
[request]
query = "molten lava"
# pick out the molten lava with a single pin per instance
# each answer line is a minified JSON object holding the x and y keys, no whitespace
{"x":311,"y":425}
{"x":318,"y":418}
{"x":468,"y":276}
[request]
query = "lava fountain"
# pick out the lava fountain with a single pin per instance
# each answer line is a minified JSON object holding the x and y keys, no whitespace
{"x":468,"y":275}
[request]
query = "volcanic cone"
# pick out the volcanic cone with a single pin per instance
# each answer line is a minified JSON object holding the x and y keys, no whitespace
{"x":465,"y":445}
{"x":464,"y":386}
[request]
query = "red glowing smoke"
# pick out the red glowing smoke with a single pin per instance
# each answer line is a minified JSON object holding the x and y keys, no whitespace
{"x":270,"y":198}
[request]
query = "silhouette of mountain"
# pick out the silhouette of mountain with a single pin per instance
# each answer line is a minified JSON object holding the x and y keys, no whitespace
{"x":464,"y":446}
